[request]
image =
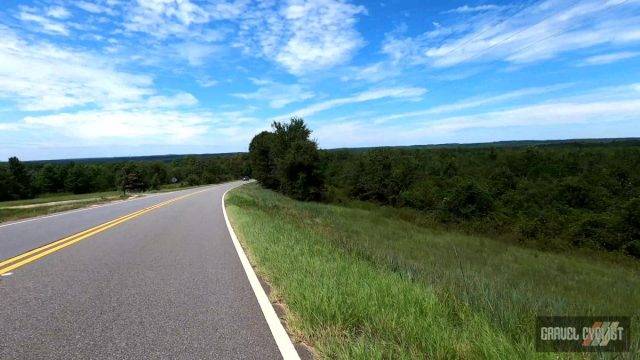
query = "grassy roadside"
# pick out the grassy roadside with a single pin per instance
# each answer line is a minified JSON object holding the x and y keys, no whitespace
{"x":53,"y":203}
{"x":21,"y":209}
{"x":362,"y":284}
{"x":46,"y":198}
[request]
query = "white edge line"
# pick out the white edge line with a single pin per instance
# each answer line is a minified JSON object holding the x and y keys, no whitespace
{"x":287,"y":350}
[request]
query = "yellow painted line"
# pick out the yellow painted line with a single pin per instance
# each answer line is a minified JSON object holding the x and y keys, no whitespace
{"x":37,"y":253}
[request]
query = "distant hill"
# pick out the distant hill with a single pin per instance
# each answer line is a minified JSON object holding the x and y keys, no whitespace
{"x":496,"y":144}
{"x":162,"y":158}
{"x":509,"y":144}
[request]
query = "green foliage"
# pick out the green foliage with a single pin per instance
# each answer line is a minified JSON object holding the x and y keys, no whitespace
{"x":468,"y":200}
{"x":287,"y":160}
{"x":19,"y":180}
{"x":25,"y":180}
{"x":262,"y":159}
{"x":582,"y":195}
{"x":631,"y":218}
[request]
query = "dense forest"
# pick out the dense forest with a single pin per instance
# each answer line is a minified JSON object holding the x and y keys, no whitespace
{"x":555,"y":196}
{"x":24,"y":180}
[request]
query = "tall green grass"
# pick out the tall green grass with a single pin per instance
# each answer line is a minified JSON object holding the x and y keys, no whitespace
{"x":361,"y":283}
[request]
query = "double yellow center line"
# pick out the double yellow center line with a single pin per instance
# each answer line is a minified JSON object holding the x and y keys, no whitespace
{"x":37,"y":253}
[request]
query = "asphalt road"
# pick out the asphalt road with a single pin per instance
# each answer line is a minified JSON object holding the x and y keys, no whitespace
{"x":166,"y":284}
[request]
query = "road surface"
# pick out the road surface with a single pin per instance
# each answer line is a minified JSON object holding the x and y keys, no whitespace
{"x":165,"y":283}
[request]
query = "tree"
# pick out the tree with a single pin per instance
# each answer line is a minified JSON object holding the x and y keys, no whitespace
{"x":79,"y":179}
{"x":47,"y":180}
{"x":130,"y":178}
{"x":261,"y":157}
{"x":298,"y":171}
{"x":287,"y":160}
{"x":5,"y":184}
{"x":21,"y":183}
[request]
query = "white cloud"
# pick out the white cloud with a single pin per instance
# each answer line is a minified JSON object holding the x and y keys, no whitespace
{"x":538,"y":32}
{"x":582,"y":112}
{"x":206,"y":81}
{"x":473,"y":9}
{"x":41,"y":76}
{"x":278,"y":95}
{"x":10,"y":126}
{"x":321,"y":34}
{"x":544,"y":115}
{"x":369,"y":95}
{"x":303,"y":35}
{"x":95,"y":8}
{"x":58,"y":12}
{"x":195,"y":53}
{"x":163,"y":18}
{"x":371,"y":73}
{"x":609,"y":58}
{"x":46,"y":25}
{"x":472,"y":103}
{"x":144,"y":126}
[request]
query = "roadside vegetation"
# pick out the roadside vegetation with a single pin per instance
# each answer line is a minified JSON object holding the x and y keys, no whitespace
{"x":552,"y":197}
{"x":29,"y":180}
{"x":52,"y":203}
{"x":366,"y":283}
{"x":30,"y":189}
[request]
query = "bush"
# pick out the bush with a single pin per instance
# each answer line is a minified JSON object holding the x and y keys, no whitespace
{"x":419,"y":196}
{"x":469,"y":200}
{"x":633,"y":248}
{"x":631,"y":218}
{"x":576,"y":194}
{"x":596,"y":231}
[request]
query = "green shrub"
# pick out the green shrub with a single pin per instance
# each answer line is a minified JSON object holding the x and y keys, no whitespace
{"x":631,"y":218}
{"x":469,"y":200}
{"x":633,"y":248}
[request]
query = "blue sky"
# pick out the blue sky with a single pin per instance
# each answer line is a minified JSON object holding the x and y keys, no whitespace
{"x":116,"y":78}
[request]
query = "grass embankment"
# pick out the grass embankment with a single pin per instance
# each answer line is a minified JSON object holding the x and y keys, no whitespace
{"x":363,"y":284}
{"x":52,"y":203}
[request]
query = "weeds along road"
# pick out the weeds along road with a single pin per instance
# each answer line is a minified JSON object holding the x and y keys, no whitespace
{"x":156,"y":277}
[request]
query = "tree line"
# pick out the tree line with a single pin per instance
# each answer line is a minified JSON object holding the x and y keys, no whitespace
{"x":553,"y":197}
{"x":25,"y":180}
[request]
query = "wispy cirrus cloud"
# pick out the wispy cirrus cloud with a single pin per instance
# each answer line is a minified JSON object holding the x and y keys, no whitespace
{"x":472,"y":103}
{"x":58,"y":12}
{"x":409,"y":93}
{"x":302,"y":36}
{"x":44,"y":24}
{"x":95,"y":7}
{"x":41,"y":76}
{"x":609,"y":58}
{"x":277,"y":95}
{"x":538,"y":32}
{"x":152,"y":125}
{"x":598,"y":107}
{"x":466,"y":9}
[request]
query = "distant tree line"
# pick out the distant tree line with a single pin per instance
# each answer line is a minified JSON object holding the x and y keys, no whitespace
{"x":553,"y":197}
{"x":24,"y":180}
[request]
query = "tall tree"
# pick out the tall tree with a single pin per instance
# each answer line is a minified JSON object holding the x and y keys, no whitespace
{"x":287,"y":160}
{"x":22,"y":186}
{"x":261,"y":157}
